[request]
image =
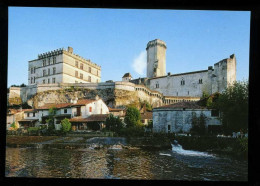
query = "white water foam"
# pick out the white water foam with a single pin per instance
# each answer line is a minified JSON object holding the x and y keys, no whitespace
{"x":178,"y":149}
{"x":162,"y":154}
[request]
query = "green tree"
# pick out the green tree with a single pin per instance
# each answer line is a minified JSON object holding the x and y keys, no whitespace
{"x":233,"y":105}
{"x":132,"y":117}
{"x":65,"y":125}
{"x":198,"y":124}
{"x":113,"y":123}
{"x":50,"y":120}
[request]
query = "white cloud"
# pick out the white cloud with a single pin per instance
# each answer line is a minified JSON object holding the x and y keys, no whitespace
{"x":139,"y":63}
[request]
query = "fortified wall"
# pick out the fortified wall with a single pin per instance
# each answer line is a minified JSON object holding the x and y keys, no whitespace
{"x":114,"y":94}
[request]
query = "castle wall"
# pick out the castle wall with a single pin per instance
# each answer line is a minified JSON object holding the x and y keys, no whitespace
{"x":172,"y":86}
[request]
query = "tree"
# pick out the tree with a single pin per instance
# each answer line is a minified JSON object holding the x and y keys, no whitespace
{"x":50,"y":120}
{"x":113,"y":123}
{"x":198,"y":124}
{"x":132,"y":117}
{"x":233,"y":105}
{"x":65,"y":125}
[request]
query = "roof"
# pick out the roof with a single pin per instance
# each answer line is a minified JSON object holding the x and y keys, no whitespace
{"x":80,"y":102}
{"x":78,"y":119}
{"x":181,"y":105}
{"x":83,"y":102}
{"x":50,"y":105}
{"x":147,"y":115}
{"x":127,"y":75}
{"x":93,"y":117}
{"x":180,"y":74}
{"x":26,"y":120}
{"x":29,"y":110}
{"x":115,"y":109}
{"x":97,"y":117}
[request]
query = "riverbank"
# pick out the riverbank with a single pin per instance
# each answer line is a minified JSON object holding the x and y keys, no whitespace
{"x":232,"y":146}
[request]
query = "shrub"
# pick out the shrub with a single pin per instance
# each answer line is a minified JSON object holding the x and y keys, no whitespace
{"x":65,"y":125}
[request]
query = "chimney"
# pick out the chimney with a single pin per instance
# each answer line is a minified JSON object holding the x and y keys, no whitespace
{"x":70,"y":50}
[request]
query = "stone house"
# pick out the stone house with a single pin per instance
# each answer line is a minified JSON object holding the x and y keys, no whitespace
{"x":13,"y":115}
{"x":177,"y":117}
{"x":30,"y":118}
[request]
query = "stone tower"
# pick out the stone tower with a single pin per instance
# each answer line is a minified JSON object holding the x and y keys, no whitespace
{"x":156,"y":58}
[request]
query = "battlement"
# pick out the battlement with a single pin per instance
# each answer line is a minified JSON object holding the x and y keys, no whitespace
{"x":67,"y":52}
{"x":156,"y":42}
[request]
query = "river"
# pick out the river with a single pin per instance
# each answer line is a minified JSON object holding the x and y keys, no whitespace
{"x":116,"y":163}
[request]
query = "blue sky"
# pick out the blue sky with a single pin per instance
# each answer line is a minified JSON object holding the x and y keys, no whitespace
{"x":116,"y":39}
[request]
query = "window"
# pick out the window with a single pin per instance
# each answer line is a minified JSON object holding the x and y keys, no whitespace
{"x":44,"y":73}
{"x":43,"y":62}
{"x":76,"y":64}
{"x":54,"y":70}
{"x":49,"y":61}
{"x":89,"y":78}
{"x":65,"y":111}
{"x":49,"y":71}
{"x":76,"y":74}
{"x":54,"y":60}
{"x":76,"y":81}
{"x":34,"y":114}
{"x":157,"y":85}
{"x":169,"y":128}
{"x":48,"y":81}
{"x":33,"y":79}
{"x":97,"y":72}
{"x":188,"y":92}
{"x":34,"y":70}
{"x":90,"y":109}
{"x":89,"y":69}
{"x":182,"y":82}
{"x":200,"y":81}
{"x":31,"y":70}
{"x":53,"y":80}
{"x":43,"y":81}
{"x":28,"y":114}
{"x":81,"y":66}
{"x":81,"y":76}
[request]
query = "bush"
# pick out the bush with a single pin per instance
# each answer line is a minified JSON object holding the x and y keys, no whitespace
{"x":132,"y":117}
{"x":65,"y":125}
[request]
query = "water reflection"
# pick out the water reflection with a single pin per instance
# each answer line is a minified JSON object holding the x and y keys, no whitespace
{"x":121,"y":164}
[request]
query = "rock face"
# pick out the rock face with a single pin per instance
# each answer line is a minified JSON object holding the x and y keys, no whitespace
{"x":112,"y":97}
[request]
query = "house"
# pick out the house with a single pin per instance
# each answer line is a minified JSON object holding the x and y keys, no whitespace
{"x":118,"y":112}
{"x":177,"y":117}
{"x":13,"y":115}
{"x":30,"y":118}
{"x":146,"y":117}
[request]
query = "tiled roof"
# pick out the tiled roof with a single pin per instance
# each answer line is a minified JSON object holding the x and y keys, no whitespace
{"x":115,"y":109}
{"x":147,"y":115}
{"x":50,"y":105}
{"x":181,"y":105}
{"x":78,"y":119}
{"x":97,"y":117}
{"x":83,"y":102}
{"x":29,"y":110}
{"x":65,"y":105}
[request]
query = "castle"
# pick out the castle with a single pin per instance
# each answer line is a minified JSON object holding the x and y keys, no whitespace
{"x":60,"y":69}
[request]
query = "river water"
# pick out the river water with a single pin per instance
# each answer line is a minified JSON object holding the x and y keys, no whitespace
{"x":116,"y":163}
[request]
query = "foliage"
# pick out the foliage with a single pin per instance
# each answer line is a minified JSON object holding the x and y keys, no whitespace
{"x":13,"y":126}
{"x":65,"y":125}
{"x":132,"y":117}
{"x":22,"y":85}
{"x":33,"y":129}
{"x":50,"y":120}
{"x":148,"y":106}
{"x":150,"y":124}
{"x":233,"y":105}
{"x":198,"y":124}
{"x":113,"y":123}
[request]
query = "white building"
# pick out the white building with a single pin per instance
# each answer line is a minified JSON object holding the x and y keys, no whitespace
{"x":188,"y":84}
{"x":62,"y":66}
{"x":177,"y":117}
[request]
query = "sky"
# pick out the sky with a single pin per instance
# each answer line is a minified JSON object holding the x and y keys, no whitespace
{"x":116,"y":39}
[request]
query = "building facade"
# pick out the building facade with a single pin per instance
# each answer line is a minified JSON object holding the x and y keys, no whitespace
{"x":188,"y":84}
{"x":177,"y":117}
{"x":62,"y":66}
